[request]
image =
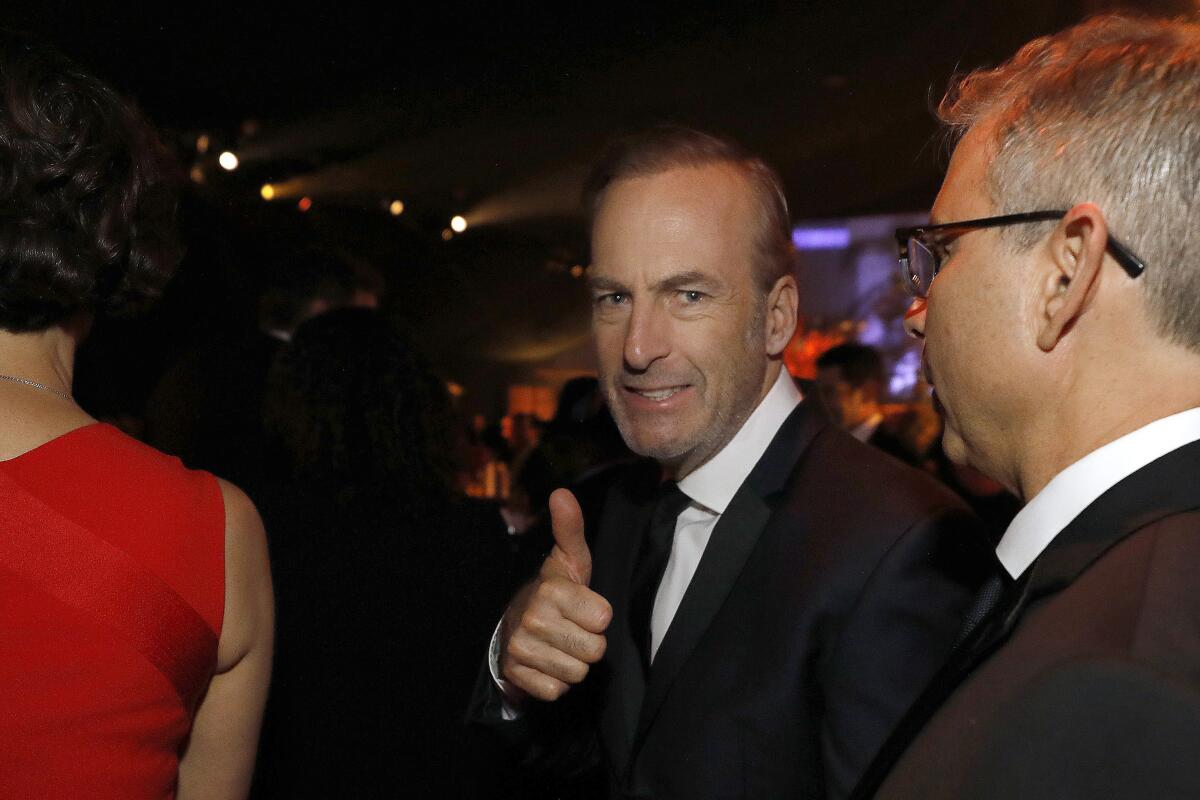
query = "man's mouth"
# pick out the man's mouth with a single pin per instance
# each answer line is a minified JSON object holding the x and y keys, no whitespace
{"x":657,"y":394}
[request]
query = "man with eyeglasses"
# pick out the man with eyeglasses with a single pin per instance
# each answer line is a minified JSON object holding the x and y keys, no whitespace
{"x":1058,"y":298}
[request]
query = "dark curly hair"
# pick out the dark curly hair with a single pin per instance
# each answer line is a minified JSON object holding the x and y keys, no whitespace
{"x":87,"y":194}
{"x":355,"y":410}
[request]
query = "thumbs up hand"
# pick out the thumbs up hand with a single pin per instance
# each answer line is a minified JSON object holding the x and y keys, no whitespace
{"x":553,"y":630}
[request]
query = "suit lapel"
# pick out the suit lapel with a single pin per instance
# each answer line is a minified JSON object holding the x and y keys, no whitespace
{"x":733,"y":539}
{"x":1164,"y":487}
{"x":626,"y":514}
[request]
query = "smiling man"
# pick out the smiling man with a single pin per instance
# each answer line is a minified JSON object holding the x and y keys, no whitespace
{"x":755,"y":624}
{"x":1062,"y":334}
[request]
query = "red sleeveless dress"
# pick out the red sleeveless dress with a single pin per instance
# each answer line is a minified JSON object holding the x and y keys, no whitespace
{"x":111,"y":597}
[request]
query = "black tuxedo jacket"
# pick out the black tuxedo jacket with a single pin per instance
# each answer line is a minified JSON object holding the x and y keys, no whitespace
{"x":829,"y":593}
{"x":1085,"y":681}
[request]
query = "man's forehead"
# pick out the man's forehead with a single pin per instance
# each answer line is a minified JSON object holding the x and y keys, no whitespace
{"x":677,"y":196}
{"x":964,"y":193}
{"x":683,"y":209}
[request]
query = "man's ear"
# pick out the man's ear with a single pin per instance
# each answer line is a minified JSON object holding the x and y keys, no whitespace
{"x":1070,"y":274}
{"x":783,"y":303}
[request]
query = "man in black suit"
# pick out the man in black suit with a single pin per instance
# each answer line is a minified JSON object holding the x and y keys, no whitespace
{"x":1062,"y":335}
{"x":753,"y":626}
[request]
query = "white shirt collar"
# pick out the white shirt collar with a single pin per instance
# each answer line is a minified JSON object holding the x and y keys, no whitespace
{"x":1079,"y":485}
{"x":866,"y":429}
{"x":716,"y":481}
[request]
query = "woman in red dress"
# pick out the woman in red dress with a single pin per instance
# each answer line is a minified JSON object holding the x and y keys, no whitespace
{"x":135,"y":596}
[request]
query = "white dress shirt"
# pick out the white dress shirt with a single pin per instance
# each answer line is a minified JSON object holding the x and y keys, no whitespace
{"x":1079,"y":485}
{"x":710,"y":488}
{"x":866,"y":429}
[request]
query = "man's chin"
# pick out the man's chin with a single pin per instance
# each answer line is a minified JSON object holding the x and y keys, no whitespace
{"x":954,"y":447}
{"x":665,"y":449}
{"x":664,"y":452}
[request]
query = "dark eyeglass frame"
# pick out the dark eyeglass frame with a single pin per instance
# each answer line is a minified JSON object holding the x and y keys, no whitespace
{"x":1128,"y":260}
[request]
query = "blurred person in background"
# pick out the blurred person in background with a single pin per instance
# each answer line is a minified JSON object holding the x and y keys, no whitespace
{"x":136,"y":596}
{"x":580,"y":448}
{"x":207,"y":407}
{"x":382,"y":572}
{"x":574,"y":448}
{"x":851,"y":378}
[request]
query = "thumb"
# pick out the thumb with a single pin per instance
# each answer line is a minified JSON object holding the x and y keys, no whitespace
{"x":571,"y":549}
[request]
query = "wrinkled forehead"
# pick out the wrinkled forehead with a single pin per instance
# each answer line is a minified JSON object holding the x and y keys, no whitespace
{"x":698,"y":218}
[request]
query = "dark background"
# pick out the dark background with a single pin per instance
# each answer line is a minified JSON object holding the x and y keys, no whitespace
{"x":493,"y":111}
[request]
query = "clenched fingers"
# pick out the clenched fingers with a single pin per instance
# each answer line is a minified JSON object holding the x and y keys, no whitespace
{"x":535,"y":633}
{"x":536,"y":684}
{"x":579,"y":604}
{"x":528,"y":652}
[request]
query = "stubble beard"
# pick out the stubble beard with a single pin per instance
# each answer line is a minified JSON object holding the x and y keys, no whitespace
{"x":729,"y":412}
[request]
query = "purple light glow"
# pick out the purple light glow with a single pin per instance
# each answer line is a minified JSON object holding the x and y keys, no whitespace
{"x":821,"y":238}
{"x":905,"y":374}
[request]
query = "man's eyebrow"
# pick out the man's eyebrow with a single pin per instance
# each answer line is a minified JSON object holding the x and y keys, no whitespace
{"x":602,"y":284}
{"x":693,"y":279}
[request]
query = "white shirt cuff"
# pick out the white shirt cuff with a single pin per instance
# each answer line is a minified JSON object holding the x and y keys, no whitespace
{"x":507,"y":712}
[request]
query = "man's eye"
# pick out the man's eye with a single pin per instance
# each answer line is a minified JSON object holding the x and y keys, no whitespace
{"x":691,"y":296}
{"x":611,"y":299}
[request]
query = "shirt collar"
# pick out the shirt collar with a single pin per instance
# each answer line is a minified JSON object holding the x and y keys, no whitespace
{"x":866,"y":429}
{"x":1079,"y":485}
{"x":716,"y":481}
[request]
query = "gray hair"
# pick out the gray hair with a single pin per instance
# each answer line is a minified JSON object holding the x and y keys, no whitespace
{"x":1107,"y":111}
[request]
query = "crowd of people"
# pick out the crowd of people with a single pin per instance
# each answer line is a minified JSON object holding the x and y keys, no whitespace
{"x":703,"y":577}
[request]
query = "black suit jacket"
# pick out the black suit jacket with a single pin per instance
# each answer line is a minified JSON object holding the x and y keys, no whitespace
{"x":1085,"y":682}
{"x":829,"y":592}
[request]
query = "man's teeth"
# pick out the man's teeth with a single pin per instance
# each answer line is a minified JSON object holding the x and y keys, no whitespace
{"x":658,"y":394}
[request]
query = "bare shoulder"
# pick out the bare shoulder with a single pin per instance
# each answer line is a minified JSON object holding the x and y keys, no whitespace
{"x":240,"y":512}
{"x":249,"y":603}
{"x":218,"y":761}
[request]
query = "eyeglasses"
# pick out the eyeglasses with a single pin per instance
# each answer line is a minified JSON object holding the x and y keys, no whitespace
{"x":922,"y":249}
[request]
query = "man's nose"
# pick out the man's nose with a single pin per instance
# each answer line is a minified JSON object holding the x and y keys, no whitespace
{"x":914,"y":318}
{"x":647,"y":338}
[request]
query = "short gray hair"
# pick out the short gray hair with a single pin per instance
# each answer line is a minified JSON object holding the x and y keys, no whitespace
{"x":1107,"y":111}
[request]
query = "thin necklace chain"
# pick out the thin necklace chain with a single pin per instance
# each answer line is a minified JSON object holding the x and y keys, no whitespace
{"x":37,"y":385}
